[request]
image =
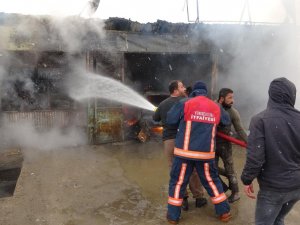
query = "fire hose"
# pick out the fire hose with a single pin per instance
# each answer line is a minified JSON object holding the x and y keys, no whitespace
{"x":232,"y":139}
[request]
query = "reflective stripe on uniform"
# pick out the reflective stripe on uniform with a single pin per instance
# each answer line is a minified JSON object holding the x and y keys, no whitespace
{"x":187,"y":135}
{"x":175,"y":201}
{"x":221,"y":198}
{"x":212,"y":141}
{"x":194,"y":154}
{"x":180,"y":180}
{"x":209,"y":180}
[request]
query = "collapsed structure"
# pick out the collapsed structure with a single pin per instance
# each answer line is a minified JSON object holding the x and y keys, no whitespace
{"x":39,"y":54}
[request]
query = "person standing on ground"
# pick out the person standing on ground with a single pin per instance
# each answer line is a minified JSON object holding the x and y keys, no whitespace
{"x":273,"y":155}
{"x":177,"y":92}
{"x":223,"y":147}
{"x":198,"y":117}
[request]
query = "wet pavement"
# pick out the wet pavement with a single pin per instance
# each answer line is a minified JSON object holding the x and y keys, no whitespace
{"x":122,"y":183}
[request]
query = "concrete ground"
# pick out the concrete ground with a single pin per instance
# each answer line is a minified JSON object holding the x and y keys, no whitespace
{"x":107,"y":185}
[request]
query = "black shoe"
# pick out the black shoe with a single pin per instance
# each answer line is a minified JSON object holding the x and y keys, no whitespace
{"x":185,"y":204}
{"x":200,"y":202}
{"x":233,"y":197}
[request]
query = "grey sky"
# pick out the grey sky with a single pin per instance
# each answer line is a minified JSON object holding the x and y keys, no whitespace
{"x":170,"y":10}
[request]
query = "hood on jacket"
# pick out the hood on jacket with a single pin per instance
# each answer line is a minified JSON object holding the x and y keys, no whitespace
{"x":199,"y":88}
{"x":282,"y":91}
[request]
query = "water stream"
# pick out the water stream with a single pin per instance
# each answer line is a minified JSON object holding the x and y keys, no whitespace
{"x":96,"y":86}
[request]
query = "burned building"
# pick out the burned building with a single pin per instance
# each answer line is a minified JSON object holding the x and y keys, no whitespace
{"x":39,"y":55}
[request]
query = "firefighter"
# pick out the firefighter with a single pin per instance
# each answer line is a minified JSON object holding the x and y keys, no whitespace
{"x":177,"y":92}
{"x":223,"y":147}
{"x":198,"y":117}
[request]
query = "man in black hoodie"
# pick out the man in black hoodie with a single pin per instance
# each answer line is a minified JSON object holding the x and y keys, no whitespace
{"x":273,"y":155}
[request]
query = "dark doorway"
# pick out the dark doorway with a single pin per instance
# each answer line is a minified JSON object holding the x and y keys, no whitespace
{"x":153,"y":71}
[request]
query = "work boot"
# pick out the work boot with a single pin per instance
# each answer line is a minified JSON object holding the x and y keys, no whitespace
{"x":172,"y":221}
{"x":225,"y":217}
{"x":235,"y":196}
{"x":200,"y":202}
{"x":234,"y":193}
{"x":185,"y":204}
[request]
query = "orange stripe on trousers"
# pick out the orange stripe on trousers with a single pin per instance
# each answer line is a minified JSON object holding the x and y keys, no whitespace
{"x":210,"y":181}
{"x":175,"y":202}
{"x":180,"y":180}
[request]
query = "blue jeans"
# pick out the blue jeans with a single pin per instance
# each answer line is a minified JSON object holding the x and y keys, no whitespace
{"x":272,"y":207}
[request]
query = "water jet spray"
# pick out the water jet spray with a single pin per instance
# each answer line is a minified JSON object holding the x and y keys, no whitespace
{"x":97,"y":86}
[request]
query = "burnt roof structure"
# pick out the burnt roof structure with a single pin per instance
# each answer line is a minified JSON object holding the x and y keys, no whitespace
{"x":74,"y":34}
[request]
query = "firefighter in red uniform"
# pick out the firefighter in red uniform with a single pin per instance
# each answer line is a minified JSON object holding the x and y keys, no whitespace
{"x":197,"y":117}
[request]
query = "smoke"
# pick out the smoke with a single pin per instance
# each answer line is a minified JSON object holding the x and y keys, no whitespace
{"x":29,"y":78}
{"x":250,"y":57}
{"x":2,"y":69}
{"x":42,"y":33}
{"x":21,"y":91}
{"x":78,"y":34}
{"x":26,"y":135}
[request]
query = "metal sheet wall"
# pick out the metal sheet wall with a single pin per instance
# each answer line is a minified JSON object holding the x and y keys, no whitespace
{"x":46,"y":119}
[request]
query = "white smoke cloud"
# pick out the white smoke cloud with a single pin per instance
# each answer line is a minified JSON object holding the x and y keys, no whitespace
{"x":77,"y":33}
{"x":16,"y":73}
{"x":70,"y":34}
{"x":24,"y":134}
{"x":252,"y":57}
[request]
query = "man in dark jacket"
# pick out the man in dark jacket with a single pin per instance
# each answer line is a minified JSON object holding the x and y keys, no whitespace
{"x":223,"y":147}
{"x":273,"y":155}
{"x":177,"y":92}
{"x":197,"y":118}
